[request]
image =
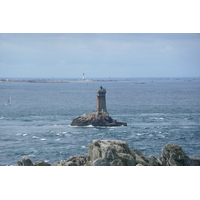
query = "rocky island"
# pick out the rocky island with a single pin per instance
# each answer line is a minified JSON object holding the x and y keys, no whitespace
{"x":100,"y":117}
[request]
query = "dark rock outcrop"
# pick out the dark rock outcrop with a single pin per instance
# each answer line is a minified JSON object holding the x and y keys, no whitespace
{"x":173,"y":155}
{"x":25,"y":162}
{"x":117,"y":153}
{"x":96,"y":119}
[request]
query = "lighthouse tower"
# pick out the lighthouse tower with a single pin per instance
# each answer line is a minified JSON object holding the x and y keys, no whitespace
{"x":83,"y":76}
{"x":101,"y":100}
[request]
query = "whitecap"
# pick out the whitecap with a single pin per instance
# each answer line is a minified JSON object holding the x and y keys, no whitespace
{"x":35,"y":137}
{"x":158,"y":118}
{"x":64,"y":132}
{"x":24,"y":134}
{"x":42,"y":139}
{"x":83,"y":146}
{"x":57,"y":139}
{"x":19,"y":134}
{"x":89,"y":126}
{"x":140,"y":133}
{"x":31,"y":155}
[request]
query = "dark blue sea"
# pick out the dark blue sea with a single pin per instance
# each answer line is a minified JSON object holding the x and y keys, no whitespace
{"x":157,"y":110}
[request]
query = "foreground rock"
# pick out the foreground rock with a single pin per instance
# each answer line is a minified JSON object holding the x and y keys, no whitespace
{"x":117,"y":153}
{"x":110,"y":152}
{"x":96,"y":119}
{"x":27,"y":162}
{"x":173,"y":155}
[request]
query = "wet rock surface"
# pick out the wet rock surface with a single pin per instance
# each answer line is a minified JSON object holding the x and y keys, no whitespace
{"x":96,"y":119}
{"x":117,"y":153}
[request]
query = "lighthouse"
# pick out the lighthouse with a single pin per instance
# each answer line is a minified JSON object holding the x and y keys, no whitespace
{"x":101,"y":100}
{"x":83,"y":76}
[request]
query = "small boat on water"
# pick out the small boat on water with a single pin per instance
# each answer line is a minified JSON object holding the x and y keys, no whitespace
{"x":9,"y":101}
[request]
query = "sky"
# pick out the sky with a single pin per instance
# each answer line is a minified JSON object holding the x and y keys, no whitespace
{"x":103,"y":55}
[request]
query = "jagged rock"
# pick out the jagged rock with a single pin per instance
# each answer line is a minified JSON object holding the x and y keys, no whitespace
{"x":41,"y":163}
{"x":153,"y":161}
{"x":96,"y":119}
{"x":173,"y":155}
{"x":127,"y":159}
{"x":117,"y":162}
{"x":19,"y":163}
{"x":194,"y":161}
{"x":117,"y":153}
{"x":137,"y":151}
{"x":110,"y":152}
{"x":79,"y":160}
{"x":70,"y":163}
{"x":101,"y":162}
{"x":140,"y":158}
{"x":26,"y":161}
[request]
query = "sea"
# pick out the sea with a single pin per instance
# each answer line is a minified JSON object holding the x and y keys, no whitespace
{"x":157,"y":111}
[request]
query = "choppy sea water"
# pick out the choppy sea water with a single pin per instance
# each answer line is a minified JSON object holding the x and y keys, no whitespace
{"x":157,"y":111}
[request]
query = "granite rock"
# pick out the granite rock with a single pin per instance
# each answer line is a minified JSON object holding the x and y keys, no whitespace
{"x":41,"y":163}
{"x":26,"y":161}
{"x":111,"y":152}
{"x":173,"y":155}
{"x":117,"y":153}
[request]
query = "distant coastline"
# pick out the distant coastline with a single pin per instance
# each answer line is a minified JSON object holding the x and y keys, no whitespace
{"x":52,"y":80}
{"x":137,"y":80}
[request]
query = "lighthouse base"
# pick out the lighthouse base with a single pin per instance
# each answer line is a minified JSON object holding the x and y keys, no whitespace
{"x":96,"y":119}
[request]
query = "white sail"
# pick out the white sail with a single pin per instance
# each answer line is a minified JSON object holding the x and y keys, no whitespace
{"x":9,"y":101}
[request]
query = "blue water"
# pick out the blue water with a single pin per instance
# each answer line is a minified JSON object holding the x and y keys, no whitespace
{"x":157,"y":111}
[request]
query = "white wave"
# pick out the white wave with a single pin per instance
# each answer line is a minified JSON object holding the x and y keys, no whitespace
{"x":24,"y":134}
{"x":64,"y":132}
{"x":140,"y":133}
{"x":35,"y":137}
{"x":88,"y":126}
{"x":42,"y":139}
{"x":19,"y":134}
{"x":158,"y":118}
{"x":31,"y":155}
{"x":57,"y":139}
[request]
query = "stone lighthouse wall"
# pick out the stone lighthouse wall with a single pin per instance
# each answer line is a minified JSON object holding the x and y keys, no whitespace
{"x":101,"y":100}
